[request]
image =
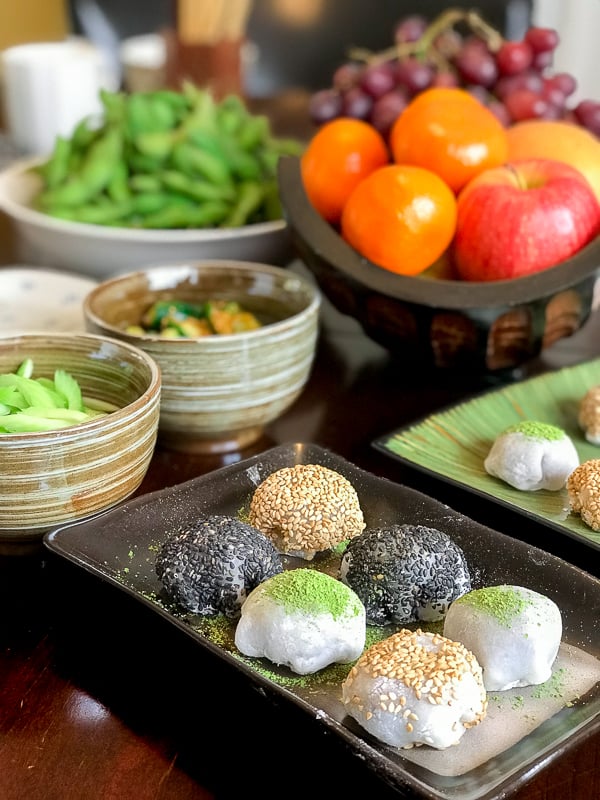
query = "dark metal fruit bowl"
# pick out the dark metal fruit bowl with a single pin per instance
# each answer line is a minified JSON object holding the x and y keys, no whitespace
{"x":484,"y":326}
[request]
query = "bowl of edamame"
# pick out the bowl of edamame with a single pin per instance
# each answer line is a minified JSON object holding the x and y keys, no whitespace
{"x":78,"y":426}
{"x":234,"y":340}
{"x":161,"y":176}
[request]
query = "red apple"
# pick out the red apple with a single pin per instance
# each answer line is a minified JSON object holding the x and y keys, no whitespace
{"x":523,"y":217}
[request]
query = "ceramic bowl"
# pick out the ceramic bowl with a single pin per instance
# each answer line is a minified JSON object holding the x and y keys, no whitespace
{"x":55,"y":477}
{"x":218,"y":391}
{"x":489,"y":327}
{"x":102,"y":251}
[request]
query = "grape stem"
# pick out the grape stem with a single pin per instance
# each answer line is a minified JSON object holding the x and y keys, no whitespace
{"x":425,"y":45}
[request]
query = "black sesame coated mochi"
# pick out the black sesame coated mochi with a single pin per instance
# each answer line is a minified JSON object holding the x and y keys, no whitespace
{"x":211,"y":566}
{"x":405,"y":573}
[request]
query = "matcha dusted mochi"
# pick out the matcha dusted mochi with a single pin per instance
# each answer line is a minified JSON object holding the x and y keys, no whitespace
{"x":513,"y":632}
{"x":532,"y":455}
{"x":302,"y":619}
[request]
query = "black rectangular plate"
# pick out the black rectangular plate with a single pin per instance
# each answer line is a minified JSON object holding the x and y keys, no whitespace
{"x":120,"y":547}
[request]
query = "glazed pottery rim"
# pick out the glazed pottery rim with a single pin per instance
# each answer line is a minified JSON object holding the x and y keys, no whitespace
{"x":328,"y":247}
{"x":313,"y":296}
{"x":35,"y":438}
{"x":23,"y":212}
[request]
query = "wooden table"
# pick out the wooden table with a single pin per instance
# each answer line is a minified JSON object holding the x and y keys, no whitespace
{"x":102,"y":700}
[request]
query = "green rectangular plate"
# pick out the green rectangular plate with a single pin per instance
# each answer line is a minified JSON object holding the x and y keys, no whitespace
{"x":453,"y":443}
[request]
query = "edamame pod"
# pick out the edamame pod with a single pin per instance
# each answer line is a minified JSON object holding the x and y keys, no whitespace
{"x":153,"y":202}
{"x":183,"y":215}
{"x":250,"y":197}
{"x":114,"y":104}
{"x":197,"y":189}
{"x":231,"y":114}
{"x":142,"y":183}
{"x":193,"y":160}
{"x":101,"y":213}
{"x":118,"y":186}
{"x":254,"y":131}
{"x":56,"y":170}
{"x":243,"y":164}
{"x":83,"y":135}
{"x":156,"y":144}
{"x":140,"y":116}
{"x":140,"y":163}
{"x":94,"y":175}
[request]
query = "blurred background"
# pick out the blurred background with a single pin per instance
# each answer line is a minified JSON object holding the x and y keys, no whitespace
{"x":289,"y":43}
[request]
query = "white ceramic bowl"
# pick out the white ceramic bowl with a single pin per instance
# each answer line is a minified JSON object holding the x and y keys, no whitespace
{"x":61,"y":476}
{"x":103,"y":251}
{"x":219,"y":391}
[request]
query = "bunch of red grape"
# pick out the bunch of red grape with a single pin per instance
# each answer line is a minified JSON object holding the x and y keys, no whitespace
{"x":514,"y":79}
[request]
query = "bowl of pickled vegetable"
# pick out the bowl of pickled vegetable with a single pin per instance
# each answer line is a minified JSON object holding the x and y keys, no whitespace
{"x":235,"y":342}
{"x":160,"y":176}
{"x":78,"y":426}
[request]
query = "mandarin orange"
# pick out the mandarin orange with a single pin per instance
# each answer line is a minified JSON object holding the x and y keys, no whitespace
{"x":339,"y":155}
{"x":449,"y":132}
{"x":401,"y":218}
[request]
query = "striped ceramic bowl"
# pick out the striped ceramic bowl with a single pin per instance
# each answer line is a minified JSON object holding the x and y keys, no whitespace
{"x":218,"y":391}
{"x":60,"y":476}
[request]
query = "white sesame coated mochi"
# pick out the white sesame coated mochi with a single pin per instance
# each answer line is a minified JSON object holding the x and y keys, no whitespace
{"x":583,"y":490}
{"x":589,"y":415}
{"x":306,"y":509}
{"x":302,"y":619}
{"x":416,"y":688}
{"x":532,"y":455}
{"x":513,"y":631}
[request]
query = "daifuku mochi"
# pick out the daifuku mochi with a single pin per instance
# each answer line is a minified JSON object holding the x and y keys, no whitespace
{"x":306,"y":509}
{"x":416,"y":688}
{"x":405,"y":573}
{"x":303,"y":619}
{"x":209,"y":567}
{"x":531,"y":456}
{"x":514,"y":632}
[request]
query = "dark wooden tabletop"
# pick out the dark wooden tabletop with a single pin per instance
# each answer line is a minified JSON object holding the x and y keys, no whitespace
{"x":102,"y":700}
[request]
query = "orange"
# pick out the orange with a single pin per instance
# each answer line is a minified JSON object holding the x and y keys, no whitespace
{"x":450,"y":132}
{"x":561,"y":141}
{"x":400,"y":217}
{"x":340,"y":154}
